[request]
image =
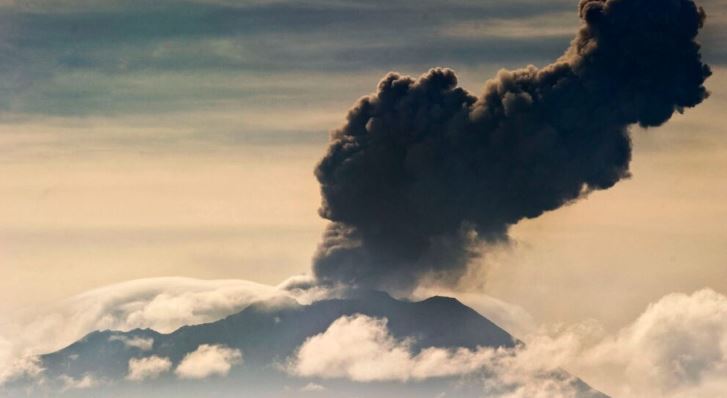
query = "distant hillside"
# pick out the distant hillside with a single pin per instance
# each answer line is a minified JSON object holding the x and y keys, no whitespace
{"x":268,"y":333}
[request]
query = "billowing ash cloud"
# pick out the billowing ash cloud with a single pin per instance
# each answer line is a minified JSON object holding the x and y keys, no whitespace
{"x":423,"y":172}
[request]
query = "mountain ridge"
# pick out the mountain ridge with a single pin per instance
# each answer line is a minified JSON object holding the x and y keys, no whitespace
{"x":268,"y":333}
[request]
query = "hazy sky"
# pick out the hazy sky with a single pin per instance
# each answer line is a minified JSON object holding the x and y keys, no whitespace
{"x":179,"y":137}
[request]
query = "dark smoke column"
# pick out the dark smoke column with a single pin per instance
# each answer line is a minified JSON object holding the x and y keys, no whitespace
{"x":423,"y":173}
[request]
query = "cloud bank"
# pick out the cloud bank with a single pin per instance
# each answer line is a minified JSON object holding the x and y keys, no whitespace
{"x":208,"y":360}
{"x":676,"y":348}
{"x":423,"y":173}
{"x":360,"y":348}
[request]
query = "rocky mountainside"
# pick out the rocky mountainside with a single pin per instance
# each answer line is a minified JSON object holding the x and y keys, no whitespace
{"x":267,"y":334}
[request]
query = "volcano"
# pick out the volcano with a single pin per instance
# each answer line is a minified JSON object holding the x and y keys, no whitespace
{"x":267,"y":334}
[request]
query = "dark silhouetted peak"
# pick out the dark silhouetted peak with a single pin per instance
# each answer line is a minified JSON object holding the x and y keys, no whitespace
{"x":270,"y":332}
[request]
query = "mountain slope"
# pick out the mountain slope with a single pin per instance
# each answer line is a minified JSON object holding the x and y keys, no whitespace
{"x":268,"y":334}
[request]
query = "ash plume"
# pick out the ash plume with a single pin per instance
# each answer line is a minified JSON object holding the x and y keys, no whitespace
{"x":424,"y":174}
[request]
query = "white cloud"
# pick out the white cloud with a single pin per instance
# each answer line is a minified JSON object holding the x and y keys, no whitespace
{"x":148,"y":368}
{"x":85,"y":382}
{"x":306,"y":290}
{"x":676,"y":348}
{"x":356,"y":347}
{"x":208,"y":360}
{"x":144,"y":344}
{"x":360,"y":348}
{"x":165,"y":304}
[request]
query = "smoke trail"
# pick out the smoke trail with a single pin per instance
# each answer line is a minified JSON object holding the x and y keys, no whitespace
{"x":423,"y":172}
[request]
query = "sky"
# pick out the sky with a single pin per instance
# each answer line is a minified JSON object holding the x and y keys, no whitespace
{"x":179,"y":138}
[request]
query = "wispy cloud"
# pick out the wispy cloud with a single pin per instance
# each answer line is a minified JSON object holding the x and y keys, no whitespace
{"x":82,"y":383}
{"x":546,"y":25}
{"x":511,"y":317}
{"x":312,"y":387}
{"x":21,"y":367}
{"x":141,"y":343}
{"x":80,"y":57}
{"x":164,"y":304}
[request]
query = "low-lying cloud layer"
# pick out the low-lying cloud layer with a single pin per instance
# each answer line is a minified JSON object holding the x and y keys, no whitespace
{"x":676,"y":348}
{"x":360,"y":348}
{"x":162,"y":304}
